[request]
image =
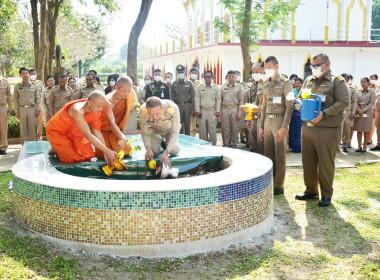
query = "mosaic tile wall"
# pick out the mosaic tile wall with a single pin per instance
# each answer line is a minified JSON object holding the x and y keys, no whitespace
{"x":142,"y":218}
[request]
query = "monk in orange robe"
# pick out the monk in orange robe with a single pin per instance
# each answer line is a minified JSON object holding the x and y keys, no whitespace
{"x":114,"y":117}
{"x":69,"y":134}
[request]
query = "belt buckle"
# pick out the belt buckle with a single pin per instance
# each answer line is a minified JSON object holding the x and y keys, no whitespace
{"x":27,"y":106}
{"x":271,"y":116}
{"x":310,"y":124}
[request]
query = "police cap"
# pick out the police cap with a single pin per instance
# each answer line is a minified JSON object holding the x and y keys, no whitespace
{"x":180,"y":68}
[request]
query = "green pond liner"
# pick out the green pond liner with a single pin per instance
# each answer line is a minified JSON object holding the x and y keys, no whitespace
{"x":193,"y":154}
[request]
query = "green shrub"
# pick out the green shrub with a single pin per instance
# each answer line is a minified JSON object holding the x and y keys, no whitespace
{"x":13,"y":127}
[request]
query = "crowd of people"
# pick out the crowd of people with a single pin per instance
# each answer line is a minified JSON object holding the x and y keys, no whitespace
{"x":171,"y":106}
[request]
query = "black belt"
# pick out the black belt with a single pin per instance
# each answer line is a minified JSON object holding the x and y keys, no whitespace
{"x":182,"y":102}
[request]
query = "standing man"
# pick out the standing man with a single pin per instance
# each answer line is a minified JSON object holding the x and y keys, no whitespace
{"x":183,"y":95}
{"x":160,"y":117}
{"x":84,"y":91}
{"x":95,"y":73}
{"x":27,"y":105}
{"x":59,"y":96}
{"x":142,"y":90}
{"x":194,"y":74}
{"x":350,"y":115}
{"x":169,"y":80}
{"x":5,"y":97}
{"x":157,"y":88}
{"x":232,"y":99}
{"x":207,"y":107}
{"x":321,"y":137}
{"x":40,"y":86}
{"x":275,"y":118}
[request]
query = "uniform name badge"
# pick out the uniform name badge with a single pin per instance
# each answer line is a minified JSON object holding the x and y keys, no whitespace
{"x":323,"y":98}
{"x":276,"y":99}
{"x":162,"y":94}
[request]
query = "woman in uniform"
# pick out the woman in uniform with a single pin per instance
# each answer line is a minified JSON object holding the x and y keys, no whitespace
{"x":363,"y":119}
{"x":45,"y":97}
{"x":73,"y":84}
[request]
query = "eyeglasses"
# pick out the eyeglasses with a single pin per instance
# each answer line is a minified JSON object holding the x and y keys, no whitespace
{"x":317,"y":65}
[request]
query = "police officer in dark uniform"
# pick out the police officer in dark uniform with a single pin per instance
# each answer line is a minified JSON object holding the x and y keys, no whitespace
{"x":183,"y":95}
{"x":157,"y":87}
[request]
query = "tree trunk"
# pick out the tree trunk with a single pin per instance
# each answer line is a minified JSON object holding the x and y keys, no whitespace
{"x":244,"y":40}
{"x":53,"y":17}
{"x":43,"y":43}
{"x":36,"y":37}
{"x":134,"y":38}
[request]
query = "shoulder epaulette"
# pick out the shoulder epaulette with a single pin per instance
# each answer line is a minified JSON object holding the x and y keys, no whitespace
{"x":33,"y":82}
{"x":170,"y":111}
{"x":351,"y":86}
{"x":340,"y":78}
{"x":284,"y":78}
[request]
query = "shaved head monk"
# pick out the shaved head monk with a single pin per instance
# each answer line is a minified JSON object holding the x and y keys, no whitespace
{"x":69,"y":134}
{"x":114,"y":116}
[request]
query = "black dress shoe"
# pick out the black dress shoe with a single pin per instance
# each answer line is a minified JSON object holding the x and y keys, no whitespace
{"x":358,"y":150}
{"x":243,"y":141}
{"x":306,"y":196}
{"x":324,"y":202}
{"x":349,"y":146}
{"x":369,"y":143}
{"x":376,"y":148}
{"x":278,"y":191}
{"x":3,"y":153}
{"x":345,"y":150}
{"x":364,"y":151}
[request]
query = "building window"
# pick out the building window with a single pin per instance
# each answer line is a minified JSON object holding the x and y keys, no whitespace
{"x":207,"y":32}
{"x":198,"y":41}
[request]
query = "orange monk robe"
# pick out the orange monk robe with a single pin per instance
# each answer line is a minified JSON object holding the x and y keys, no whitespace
{"x":66,"y":138}
{"x":121,"y":113}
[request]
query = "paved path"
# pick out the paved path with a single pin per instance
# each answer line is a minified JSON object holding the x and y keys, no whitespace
{"x":293,"y":160}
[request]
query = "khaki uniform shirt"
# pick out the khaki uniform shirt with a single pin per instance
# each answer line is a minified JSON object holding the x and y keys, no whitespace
{"x":45,"y":99}
{"x":26,"y":95}
{"x":168,"y":123}
{"x":58,"y":98}
{"x":251,"y":93}
{"x":377,"y":103}
{"x":141,"y":95}
{"x":84,"y":91}
{"x":5,"y":93}
{"x":335,"y":96}
{"x":183,"y":92}
{"x":232,"y":96}
{"x":352,"y":107}
{"x":207,"y":98}
{"x":275,"y":100}
{"x":196,"y":84}
{"x":366,"y":99}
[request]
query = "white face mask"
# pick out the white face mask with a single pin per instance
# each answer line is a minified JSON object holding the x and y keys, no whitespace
{"x":373,"y":82}
{"x":317,"y":71}
{"x":249,"y":84}
{"x":256,"y":77}
{"x":270,"y":72}
{"x":112,"y":83}
{"x":212,"y":81}
{"x":238,"y":77}
{"x":33,"y":77}
{"x":146,"y":82}
{"x":264,"y":77}
{"x":193,"y":76}
{"x":168,"y":80}
{"x":157,"y":78}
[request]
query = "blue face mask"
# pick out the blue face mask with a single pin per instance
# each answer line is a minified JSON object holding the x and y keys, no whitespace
{"x":181,"y":76}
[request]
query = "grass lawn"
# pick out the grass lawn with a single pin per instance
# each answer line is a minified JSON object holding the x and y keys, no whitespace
{"x":307,"y":242}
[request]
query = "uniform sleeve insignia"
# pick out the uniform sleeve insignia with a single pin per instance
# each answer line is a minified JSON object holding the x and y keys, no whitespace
{"x":171,"y":111}
{"x":144,"y":111}
{"x":283,"y":78}
{"x":351,"y":86}
{"x":340,"y":78}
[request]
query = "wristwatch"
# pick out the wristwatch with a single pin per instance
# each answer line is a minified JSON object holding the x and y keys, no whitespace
{"x":324,"y":114}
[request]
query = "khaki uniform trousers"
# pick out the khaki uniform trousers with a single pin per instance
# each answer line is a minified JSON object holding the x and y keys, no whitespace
{"x":257,"y":144}
{"x":230,"y":127}
{"x":193,"y":126}
{"x":185,"y":115}
{"x":155,"y":142}
{"x":377,"y":124}
{"x":40,"y":126}
{"x":208,"y":121}
{"x":319,"y":148}
{"x":3,"y":127}
{"x":347,"y":130}
{"x":275,"y":150}
{"x":27,"y":123}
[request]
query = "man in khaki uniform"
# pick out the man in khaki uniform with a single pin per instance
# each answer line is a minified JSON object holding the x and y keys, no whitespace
{"x":84,"y":91}
{"x":194,"y":74}
{"x":377,"y":121}
{"x":274,"y":123}
{"x":141,"y":91}
{"x":169,"y":80}
{"x":40,"y":86}
{"x":5,"y":97}
{"x":232,"y":99}
{"x":160,"y":119}
{"x":27,"y":105}
{"x":207,"y":107}
{"x":183,"y":95}
{"x":321,"y":137}
{"x":243,"y":131}
{"x":350,"y":115}
{"x":59,"y":96}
